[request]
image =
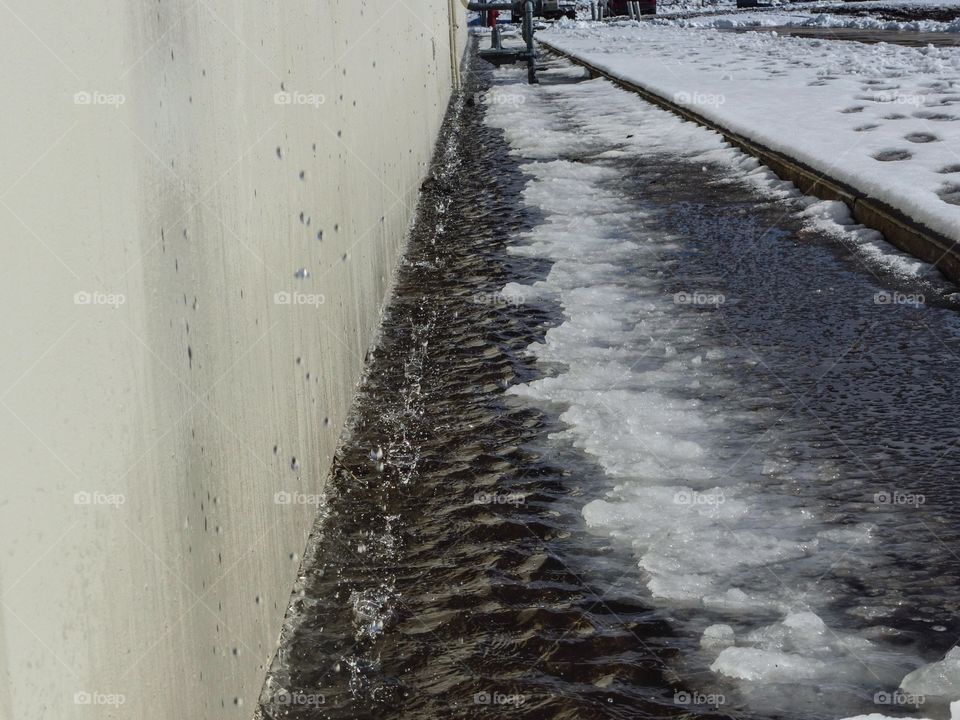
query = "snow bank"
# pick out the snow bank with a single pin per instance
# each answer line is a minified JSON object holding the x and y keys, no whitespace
{"x":807,"y":20}
{"x":884,"y":119}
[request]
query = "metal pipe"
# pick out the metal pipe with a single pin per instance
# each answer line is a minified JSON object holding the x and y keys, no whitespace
{"x":531,"y":48}
{"x":452,"y":36}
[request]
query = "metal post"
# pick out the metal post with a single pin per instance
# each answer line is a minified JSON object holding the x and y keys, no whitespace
{"x":531,"y":48}
{"x":630,"y":11}
{"x":593,"y":11}
{"x":636,"y":9}
{"x":452,"y":35}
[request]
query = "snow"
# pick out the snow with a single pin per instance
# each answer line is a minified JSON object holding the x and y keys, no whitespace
{"x":954,"y":715}
{"x":884,"y":119}
{"x":939,"y":679}
{"x":798,"y":19}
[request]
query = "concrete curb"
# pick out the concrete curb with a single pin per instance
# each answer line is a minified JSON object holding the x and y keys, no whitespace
{"x":898,"y":228}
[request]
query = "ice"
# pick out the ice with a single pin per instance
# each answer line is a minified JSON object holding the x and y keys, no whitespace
{"x":767,"y":666}
{"x":736,"y":601}
{"x":954,"y":714}
{"x":800,"y":647}
{"x":717,"y":637}
{"x":940,"y":679}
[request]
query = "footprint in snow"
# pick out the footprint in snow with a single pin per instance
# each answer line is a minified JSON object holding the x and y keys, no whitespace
{"x":921,"y":137}
{"x":892,"y":155}
{"x":950,"y":194}
{"x":939,"y":117}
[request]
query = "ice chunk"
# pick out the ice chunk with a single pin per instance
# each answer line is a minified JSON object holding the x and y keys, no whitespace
{"x":954,"y":714}
{"x":940,"y":679}
{"x":768,"y":666}
{"x":717,"y":637}
{"x":806,"y":634}
{"x":736,"y":600}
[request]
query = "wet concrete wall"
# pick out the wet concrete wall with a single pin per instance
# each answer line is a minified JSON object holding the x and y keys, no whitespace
{"x":201,"y":206}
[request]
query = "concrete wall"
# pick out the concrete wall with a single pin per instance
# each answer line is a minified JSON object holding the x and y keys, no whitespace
{"x":156,"y":194}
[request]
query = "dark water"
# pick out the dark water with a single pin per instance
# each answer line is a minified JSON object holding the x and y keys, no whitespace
{"x":452,"y":576}
{"x":426,"y":598}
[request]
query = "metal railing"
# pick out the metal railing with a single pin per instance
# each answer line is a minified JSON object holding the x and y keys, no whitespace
{"x":497,"y":54}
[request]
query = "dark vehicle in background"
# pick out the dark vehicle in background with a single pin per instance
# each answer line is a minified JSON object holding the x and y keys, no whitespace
{"x":619,"y":7}
{"x":552,"y":10}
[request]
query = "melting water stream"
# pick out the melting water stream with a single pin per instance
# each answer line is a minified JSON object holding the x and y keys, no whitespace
{"x":635,"y":442}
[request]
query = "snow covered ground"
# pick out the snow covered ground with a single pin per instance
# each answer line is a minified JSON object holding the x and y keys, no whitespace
{"x":808,"y":20}
{"x":885,"y":119}
{"x":803,"y":17}
{"x":709,"y":7}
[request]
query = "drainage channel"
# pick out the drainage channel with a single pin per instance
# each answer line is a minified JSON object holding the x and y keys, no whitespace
{"x":625,"y":436}
{"x":445,"y":579}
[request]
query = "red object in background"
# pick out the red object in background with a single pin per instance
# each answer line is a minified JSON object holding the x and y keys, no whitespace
{"x":492,"y":16}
